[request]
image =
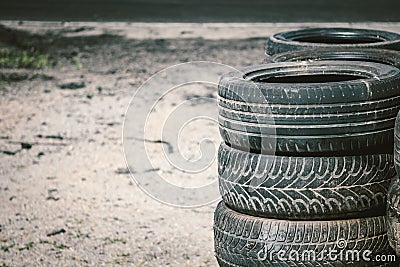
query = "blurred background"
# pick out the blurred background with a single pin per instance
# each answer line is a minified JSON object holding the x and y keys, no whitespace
{"x":202,"y":10}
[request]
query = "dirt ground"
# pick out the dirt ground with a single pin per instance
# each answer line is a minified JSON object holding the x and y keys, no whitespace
{"x":65,"y":192}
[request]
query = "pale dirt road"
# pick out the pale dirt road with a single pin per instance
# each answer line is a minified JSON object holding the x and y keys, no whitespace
{"x":68,"y":200}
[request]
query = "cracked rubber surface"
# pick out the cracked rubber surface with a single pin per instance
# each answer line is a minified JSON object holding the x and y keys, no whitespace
{"x":243,"y":240}
{"x":304,"y":187}
{"x":321,"y":118}
{"x":332,"y":38}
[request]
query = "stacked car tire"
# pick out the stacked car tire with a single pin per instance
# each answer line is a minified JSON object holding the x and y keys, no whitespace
{"x":307,"y":157}
{"x":393,"y":209}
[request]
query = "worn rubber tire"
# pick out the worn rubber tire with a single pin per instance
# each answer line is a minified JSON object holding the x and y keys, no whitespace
{"x":393,"y":215}
{"x":310,"y":117}
{"x":384,"y":56}
{"x":258,"y":127}
{"x":361,"y":144}
{"x":332,"y":38}
{"x":304,"y":188}
{"x":224,"y":263}
{"x":313,"y":111}
{"x":397,"y":153}
{"x":333,"y":118}
{"x":379,"y":82}
{"x":397,"y":144}
{"x":243,"y":240}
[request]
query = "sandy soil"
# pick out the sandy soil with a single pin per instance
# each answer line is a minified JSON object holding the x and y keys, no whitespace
{"x":65,"y":191}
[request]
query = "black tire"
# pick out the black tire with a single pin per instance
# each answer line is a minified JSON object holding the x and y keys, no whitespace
{"x":342,"y":82}
{"x":393,"y":215}
{"x":312,"y":117}
{"x":380,"y":142}
{"x":332,"y":38}
{"x":258,"y":127}
{"x":267,"y":116}
{"x":389,"y":57}
{"x":397,"y":153}
{"x":325,"y":111}
{"x":243,"y":240}
{"x":397,"y":144}
{"x":304,"y":188}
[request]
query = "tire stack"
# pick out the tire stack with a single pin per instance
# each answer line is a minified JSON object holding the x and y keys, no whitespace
{"x":307,"y":157}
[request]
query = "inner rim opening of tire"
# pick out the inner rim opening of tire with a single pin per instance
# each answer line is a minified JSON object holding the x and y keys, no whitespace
{"x":339,"y":38}
{"x":264,"y":76}
{"x":335,"y":36}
